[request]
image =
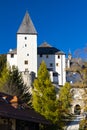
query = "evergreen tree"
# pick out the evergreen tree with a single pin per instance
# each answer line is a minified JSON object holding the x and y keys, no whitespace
{"x":2,"y":62}
{"x":44,"y":98}
{"x":4,"y":77}
{"x":65,"y":98}
{"x":11,"y":82}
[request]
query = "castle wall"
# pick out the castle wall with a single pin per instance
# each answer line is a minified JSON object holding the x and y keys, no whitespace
{"x":78,"y":98}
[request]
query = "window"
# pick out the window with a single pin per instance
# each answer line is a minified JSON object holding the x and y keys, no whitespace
{"x":28,"y":54}
{"x":12,"y":55}
{"x":51,"y":64}
{"x":41,"y":55}
{"x":58,"y":56}
{"x":55,"y":74}
{"x":46,"y":56}
{"x":26,"y":62}
{"x":25,"y":45}
{"x":57,"y":64}
{"x":25,"y":38}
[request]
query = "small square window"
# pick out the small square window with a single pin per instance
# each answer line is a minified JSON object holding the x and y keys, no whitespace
{"x":25,"y":38}
{"x":28,"y":54}
{"x":41,"y":55}
{"x":26,"y":62}
{"x":58,"y":56}
{"x":57,"y":64}
{"x":46,"y":56}
{"x":12,"y":55}
{"x":51,"y":64}
{"x":25,"y":45}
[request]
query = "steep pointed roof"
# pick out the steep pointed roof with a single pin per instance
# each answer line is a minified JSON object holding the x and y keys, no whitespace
{"x":27,"y":26}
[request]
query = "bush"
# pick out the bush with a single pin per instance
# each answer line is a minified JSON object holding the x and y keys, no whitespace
{"x":83,"y":124}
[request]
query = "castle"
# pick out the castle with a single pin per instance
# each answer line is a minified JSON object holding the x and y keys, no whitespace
{"x":28,"y":56}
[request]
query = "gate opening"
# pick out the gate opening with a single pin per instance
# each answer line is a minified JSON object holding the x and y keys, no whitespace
{"x":77,"y":109}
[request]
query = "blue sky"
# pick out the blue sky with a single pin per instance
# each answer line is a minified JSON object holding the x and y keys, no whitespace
{"x":61,"y":23}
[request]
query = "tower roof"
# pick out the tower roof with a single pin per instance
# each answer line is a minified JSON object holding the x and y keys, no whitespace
{"x":27,"y":26}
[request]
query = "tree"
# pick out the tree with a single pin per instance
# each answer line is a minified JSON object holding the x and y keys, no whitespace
{"x":83,"y":124}
{"x":4,"y":77}
{"x":44,"y":98}
{"x":2,"y":62}
{"x":11,"y":82}
{"x":65,"y":98}
{"x":80,"y":68}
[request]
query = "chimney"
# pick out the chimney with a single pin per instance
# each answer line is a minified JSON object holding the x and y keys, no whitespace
{"x":14,"y":102}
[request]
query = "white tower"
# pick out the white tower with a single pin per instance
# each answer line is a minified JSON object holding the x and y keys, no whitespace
{"x":27,"y":46}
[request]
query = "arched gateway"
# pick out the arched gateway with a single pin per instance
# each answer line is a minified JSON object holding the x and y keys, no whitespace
{"x":77,"y":109}
{"x":77,"y":102}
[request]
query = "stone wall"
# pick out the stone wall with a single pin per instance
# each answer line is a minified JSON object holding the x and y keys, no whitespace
{"x":78,"y":95}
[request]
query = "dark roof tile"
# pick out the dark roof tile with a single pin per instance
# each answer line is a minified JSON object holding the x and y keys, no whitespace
{"x":45,"y":48}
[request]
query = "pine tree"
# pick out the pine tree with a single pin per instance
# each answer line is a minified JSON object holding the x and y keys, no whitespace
{"x":11,"y":82}
{"x":44,"y":98}
{"x":4,"y":77}
{"x":2,"y":62}
{"x":65,"y":98}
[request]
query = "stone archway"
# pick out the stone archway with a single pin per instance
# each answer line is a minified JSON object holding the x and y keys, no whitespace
{"x":77,"y":109}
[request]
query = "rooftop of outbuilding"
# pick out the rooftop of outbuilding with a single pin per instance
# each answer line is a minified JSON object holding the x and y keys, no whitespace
{"x":23,"y":112}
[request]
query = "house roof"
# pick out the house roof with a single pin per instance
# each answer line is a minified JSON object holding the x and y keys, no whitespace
{"x":46,"y":48}
{"x":14,"y":51}
{"x":23,"y":112}
{"x":27,"y":26}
